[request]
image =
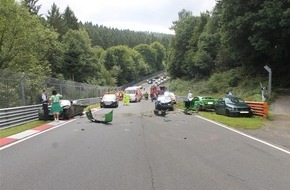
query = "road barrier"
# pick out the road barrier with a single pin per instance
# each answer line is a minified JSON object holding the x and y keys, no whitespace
{"x":259,"y":108}
{"x":11,"y":117}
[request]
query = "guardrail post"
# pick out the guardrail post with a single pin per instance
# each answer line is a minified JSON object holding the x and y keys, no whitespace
{"x":265,"y":109}
{"x":23,"y":92}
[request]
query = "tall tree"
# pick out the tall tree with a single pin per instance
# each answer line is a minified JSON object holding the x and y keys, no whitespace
{"x":71,"y":21}
{"x":121,"y":64}
{"x":161,"y":54}
{"x":149,"y":55}
{"x":258,"y":33}
{"x":55,"y":20}
{"x":184,"y":30}
{"x":24,"y":41}
{"x":77,"y":55}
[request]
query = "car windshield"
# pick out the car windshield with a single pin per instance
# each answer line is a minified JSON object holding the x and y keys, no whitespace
{"x":109,"y":97}
{"x":164,"y":99}
{"x":65,"y":103}
{"x":233,"y":100}
{"x":130,"y":91}
{"x":207,"y":97}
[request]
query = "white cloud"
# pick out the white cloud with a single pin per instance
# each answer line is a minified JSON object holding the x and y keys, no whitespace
{"x":138,"y":15}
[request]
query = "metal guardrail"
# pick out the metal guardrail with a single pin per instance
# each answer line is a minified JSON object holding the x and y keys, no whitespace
{"x":11,"y":117}
{"x":259,"y":108}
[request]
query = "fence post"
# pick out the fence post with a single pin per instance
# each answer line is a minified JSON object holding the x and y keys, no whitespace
{"x":23,"y":91}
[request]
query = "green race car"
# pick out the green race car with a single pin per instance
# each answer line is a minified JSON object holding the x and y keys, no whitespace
{"x":201,"y":103}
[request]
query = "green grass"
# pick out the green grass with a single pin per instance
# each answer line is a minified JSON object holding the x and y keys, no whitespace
{"x":249,"y":123}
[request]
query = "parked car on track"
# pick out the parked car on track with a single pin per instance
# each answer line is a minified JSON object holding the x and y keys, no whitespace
{"x":171,"y":95}
{"x":164,"y":103}
{"x":233,"y":107}
{"x":70,"y":109}
{"x":109,"y":100}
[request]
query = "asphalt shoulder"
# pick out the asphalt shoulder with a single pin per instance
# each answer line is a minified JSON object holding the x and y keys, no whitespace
{"x":276,"y":130}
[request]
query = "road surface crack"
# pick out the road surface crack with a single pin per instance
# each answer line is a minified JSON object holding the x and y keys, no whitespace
{"x":146,"y":156}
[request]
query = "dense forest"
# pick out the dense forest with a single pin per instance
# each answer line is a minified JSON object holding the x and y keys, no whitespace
{"x":237,"y":36}
{"x":60,"y":46}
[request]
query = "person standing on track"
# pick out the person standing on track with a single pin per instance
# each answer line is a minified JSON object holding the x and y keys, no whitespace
{"x":55,"y":105}
{"x":44,"y":102}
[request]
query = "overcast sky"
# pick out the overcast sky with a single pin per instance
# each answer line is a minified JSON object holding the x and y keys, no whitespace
{"x":137,"y":15}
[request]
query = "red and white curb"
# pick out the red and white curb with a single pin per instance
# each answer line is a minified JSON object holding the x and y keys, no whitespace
{"x":37,"y":130}
{"x":13,"y":138}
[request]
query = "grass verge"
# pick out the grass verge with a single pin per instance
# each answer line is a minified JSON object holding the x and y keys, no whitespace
{"x":251,"y":123}
{"x":14,"y":130}
{"x":248,"y":123}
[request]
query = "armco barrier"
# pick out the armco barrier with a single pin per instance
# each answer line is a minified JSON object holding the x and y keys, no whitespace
{"x":259,"y":108}
{"x":11,"y":117}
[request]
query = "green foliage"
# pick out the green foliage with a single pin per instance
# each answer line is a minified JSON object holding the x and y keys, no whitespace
{"x":124,"y":64}
{"x":106,"y":37}
{"x":224,"y":81}
{"x":236,"y":34}
{"x":181,"y":87}
{"x":149,"y":55}
{"x":181,"y":56}
{"x":54,"y":20}
{"x":71,"y":21}
{"x":24,"y":40}
{"x":161,"y":54}
{"x":241,"y":85}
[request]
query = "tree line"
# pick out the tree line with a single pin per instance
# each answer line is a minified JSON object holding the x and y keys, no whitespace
{"x":237,"y":34}
{"x":60,"y":46}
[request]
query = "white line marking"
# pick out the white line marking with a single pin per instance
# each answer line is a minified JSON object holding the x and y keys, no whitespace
{"x":33,"y":135}
{"x":256,"y":139}
{"x":23,"y":134}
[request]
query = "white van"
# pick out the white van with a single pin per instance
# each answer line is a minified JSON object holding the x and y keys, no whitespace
{"x":135,"y":93}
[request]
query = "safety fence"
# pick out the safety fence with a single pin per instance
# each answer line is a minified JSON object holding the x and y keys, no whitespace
{"x":23,"y":89}
{"x":259,"y":108}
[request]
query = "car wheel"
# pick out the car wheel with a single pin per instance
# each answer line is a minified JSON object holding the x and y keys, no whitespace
{"x":216,"y":111}
{"x":228,"y":113}
{"x":41,"y":115}
{"x":68,"y":113}
{"x":198,"y":108}
{"x":250,"y":114}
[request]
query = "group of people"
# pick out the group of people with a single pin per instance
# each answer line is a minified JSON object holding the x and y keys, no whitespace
{"x":54,"y":99}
